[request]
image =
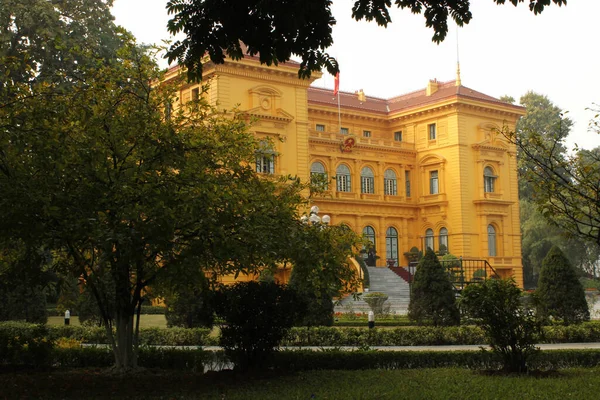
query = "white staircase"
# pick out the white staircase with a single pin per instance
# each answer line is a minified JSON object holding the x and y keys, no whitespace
{"x":381,"y":280}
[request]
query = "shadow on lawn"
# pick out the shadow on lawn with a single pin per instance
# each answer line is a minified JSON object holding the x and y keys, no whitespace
{"x":98,"y":383}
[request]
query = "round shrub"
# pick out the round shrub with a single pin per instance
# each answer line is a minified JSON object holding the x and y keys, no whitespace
{"x":256,"y":317}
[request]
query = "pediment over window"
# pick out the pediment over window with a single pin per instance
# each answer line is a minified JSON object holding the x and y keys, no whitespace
{"x":490,"y":137}
{"x":431,"y":159}
{"x":265,"y":104}
{"x":274,"y":115}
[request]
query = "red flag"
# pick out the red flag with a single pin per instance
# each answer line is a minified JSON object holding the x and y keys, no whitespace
{"x":336,"y":87}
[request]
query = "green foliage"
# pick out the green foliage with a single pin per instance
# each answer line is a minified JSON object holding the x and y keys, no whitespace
{"x":124,"y":197}
{"x":560,"y":294}
{"x":365,"y":271}
{"x":562,"y":185}
{"x":554,"y":189}
{"x":230,"y":28}
{"x":403,"y":336}
{"x":24,"y":281}
{"x":22,"y":302}
{"x":375,"y":300}
{"x":511,"y":329}
{"x":31,"y":346}
{"x":432,"y":297}
{"x":317,"y":309}
{"x":321,"y":258}
{"x":190,"y":304}
{"x":453,"y":266}
{"x":97,"y":335}
{"x":544,"y":122}
{"x":256,"y":317}
{"x":414,"y":254}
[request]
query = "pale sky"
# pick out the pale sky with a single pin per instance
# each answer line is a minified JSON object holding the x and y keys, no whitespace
{"x":503,"y":51}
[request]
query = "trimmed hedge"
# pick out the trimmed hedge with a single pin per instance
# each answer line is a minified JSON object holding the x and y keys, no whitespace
{"x":97,"y":335}
{"x":303,"y":360}
{"x":428,"y":335}
{"x":316,"y":336}
{"x":361,"y":323}
{"x":408,"y":336}
{"x":146,"y":310}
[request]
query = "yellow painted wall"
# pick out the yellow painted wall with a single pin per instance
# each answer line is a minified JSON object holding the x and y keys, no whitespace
{"x":467,"y":141}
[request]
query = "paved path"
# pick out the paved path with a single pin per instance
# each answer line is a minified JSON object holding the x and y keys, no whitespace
{"x":552,"y":346}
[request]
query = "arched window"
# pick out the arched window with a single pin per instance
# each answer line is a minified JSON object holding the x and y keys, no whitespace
{"x":391,"y":245}
{"x":369,"y":255}
{"x":390,"y":183}
{"x":489,"y":180}
{"x":491,"y":241}
{"x":318,"y":175}
{"x":443,"y":241}
{"x":342,"y":177}
{"x":429,"y":239}
{"x":367,"y":180}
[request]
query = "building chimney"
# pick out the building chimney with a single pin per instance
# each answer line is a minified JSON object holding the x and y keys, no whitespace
{"x":361,"y":96}
{"x":432,"y":87}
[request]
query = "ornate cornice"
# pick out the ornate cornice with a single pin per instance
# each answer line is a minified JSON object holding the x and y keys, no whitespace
{"x":263,"y":73}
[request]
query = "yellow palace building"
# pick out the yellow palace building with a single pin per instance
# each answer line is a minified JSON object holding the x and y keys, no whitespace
{"x":423,"y":169}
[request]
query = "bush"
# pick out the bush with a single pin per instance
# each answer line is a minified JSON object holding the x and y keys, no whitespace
{"x":365,"y":271}
{"x":375,"y":300}
{"x":18,"y":346}
{"x":511,"y":329}
{"x":405,"y":336}
{"x":560,"y":294}
{"x":256,"y":315}
{"x":190,"y":306}
{"x":22,"y":302}
{"x":316,"y":307}
{"x":413,"y":255}
{"x":433,"y":297}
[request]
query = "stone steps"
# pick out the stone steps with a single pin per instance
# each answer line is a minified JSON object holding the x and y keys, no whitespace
{"x":381,"y":280}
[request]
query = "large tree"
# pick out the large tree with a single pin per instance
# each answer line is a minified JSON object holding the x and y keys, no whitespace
{"x":541,"y":130}
{"x":274,"y":30}
{"x":122,"y":193}
{"x":124,"y":190}
{"x":564,"y":186}
{"x":545,"y":121}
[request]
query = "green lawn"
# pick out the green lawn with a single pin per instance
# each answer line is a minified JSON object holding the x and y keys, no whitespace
{"x":428,"y":384}
{"x":146,"y":321}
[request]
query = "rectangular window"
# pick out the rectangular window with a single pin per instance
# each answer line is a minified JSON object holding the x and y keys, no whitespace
{"x":407,"y":182}
{"x":433,"y":183}
{"x":342,"y":182}
{"x":431,"y":128}
{"x":488,"y":183}
{"x":344,"y":131}
{"x":390,"y":187}
{"x":265,"y":163}
{"x":195,"y":94}
{"x":320,"y":128}
{"x":367,"y":184}
{"x":391,"y":249}
{"x":366,"y":133}
{"x":398,"y":136}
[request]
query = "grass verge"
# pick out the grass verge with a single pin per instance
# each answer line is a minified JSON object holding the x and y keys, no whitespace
{"x":375,"y":384}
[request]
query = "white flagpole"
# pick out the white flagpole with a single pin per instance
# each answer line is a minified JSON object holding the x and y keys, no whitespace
{"x":339,"y":111}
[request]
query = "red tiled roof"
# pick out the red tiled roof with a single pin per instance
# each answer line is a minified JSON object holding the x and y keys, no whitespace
{"x":347,"y":100}
{"x":406,"y":101}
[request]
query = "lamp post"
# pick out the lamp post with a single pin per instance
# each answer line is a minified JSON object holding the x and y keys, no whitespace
{"x":314,"y":218}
